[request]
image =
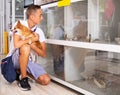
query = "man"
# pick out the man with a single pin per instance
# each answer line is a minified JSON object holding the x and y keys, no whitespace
{"x":23,"y":51}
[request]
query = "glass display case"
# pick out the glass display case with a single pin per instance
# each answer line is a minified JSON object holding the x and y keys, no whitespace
{"x":85,"y":21}
{"x":92,"y":70}
{"x":83,"y":49}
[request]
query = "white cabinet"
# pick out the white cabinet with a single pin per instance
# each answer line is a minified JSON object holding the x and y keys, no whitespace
{"x":74,"y":33}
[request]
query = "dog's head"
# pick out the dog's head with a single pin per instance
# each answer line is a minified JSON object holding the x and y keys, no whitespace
{"x":21,"y":27}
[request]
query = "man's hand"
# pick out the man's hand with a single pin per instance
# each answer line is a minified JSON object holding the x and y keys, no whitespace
{"x":36,"y":38}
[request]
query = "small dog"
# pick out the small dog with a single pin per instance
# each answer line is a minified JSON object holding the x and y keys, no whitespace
{"x":26,"y":33}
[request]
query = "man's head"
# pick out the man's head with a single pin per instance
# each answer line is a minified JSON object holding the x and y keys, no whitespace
{"x":34,"y":13}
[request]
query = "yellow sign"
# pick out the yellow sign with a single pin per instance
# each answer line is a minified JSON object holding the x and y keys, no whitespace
{"x":63,"y":3}
{"x":5,"y":50}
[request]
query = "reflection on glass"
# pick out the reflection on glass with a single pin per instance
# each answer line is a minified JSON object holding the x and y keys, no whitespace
{"x":58,"y":60}
{"x":54,"y":63}
{"x":110,"y":21}
{"x":102,"y":74}
{"x":53,"y":23}
{"x":19,"y":9}
{"x":103,"y":21}
{"x":93,"y":70}
{"x":96,"y":21}
{"x":76,"y":21}
{"x":80,"y":31}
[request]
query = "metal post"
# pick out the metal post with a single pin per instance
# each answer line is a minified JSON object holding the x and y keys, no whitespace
{"x":1,"y":25}
{"x":13,"y":12}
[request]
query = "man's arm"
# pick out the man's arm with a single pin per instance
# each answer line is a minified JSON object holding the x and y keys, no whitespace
{"x":40,"y":51}
{"x":18,"y":42}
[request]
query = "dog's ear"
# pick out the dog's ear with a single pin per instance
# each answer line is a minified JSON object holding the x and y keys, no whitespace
{"x":18,"y":21}
{"x":18,"y":25}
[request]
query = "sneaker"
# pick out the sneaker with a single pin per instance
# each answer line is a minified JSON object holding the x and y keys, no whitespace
{"x":24,"y":85}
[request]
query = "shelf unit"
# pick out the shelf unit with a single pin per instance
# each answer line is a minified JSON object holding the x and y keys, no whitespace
{"x":93,"y":26}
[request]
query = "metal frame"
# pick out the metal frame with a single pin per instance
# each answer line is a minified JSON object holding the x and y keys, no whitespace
{"x":26,"y":5}
{"x":87,"y":45}
{"x":55,"y":4}
{"x":1,"y":26}
{"x":13,"y":12}
{"x":71,"y":86}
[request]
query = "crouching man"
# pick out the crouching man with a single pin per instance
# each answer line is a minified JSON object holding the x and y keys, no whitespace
{"x":24,"y":51}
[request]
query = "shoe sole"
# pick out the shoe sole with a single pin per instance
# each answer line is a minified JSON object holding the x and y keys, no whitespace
{"x":24,"y":89}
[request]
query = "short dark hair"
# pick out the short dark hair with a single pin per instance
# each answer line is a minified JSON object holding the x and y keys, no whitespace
{"x":31,"y":9}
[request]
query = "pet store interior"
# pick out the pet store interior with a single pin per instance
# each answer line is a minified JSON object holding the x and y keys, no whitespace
{"x":83,"y":43}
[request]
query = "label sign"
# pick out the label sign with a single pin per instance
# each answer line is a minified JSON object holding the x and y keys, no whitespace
{"x":62,"y":3}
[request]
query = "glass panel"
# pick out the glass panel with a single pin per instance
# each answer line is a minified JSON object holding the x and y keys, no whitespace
{"x":110,"y":21}
{"x":93,"y":70}
{"x":95,"y":21}
{"x":101,"y":73}
{"x":43,"y":24}
{"x":19,"y":9}
{"x":54,"y":63}
{"x":77,"y":21}
{"x":53,"y":23}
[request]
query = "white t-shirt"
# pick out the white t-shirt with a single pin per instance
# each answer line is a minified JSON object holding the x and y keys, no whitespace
{"x":37,"y":30}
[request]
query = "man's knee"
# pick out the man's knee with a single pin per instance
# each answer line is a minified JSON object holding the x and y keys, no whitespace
{"x":25,"y":49}
{"x":44,"y":79}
